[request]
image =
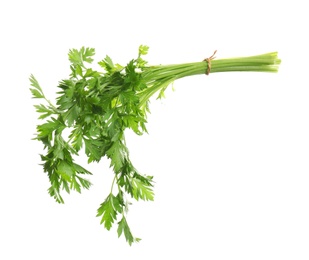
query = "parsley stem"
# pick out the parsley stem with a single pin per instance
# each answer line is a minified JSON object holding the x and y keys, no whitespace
{"x":159,"y":77}
{"x":52,"y":106}
{"x":112,"y":187}
{"x":115,"y":179}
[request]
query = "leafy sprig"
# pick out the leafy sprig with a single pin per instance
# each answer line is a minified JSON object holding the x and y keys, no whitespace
{"x":96,"y":108}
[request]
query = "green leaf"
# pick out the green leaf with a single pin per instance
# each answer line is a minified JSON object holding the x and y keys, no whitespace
{"x":117,"y":154}
{"x":75,"y":185}
{"x":107,"y":64}
{"x":124,"y":180}
{"x":93,"y":100}
{"x":45,"y":111}
{"x":65,"y":186}
{"x":87,"y":54}
{"x":143,"y":50}
{"x":45,"y":131}
{"x":73,"y":72}
{"x":77,"y":138}
{"x":79,"y":70}
{"x":123,"y":227}
{"x":134,"y":122}
{"x":55,"y":193}
{"x":109,"y":210}
{"x":35,"y":83}
{"x":58,"y":148}
{"x":142,"y":188}
{"x":36,"y":93}
{"x":75,"y":57}
{"x":65,"y":170}
{"x":78,"y":57}
{"x":80,"y":169}
{"x":84,"y":183}
{"x":91,"y":73}
{"x":65,"y":101}
{"x":95,"y":148}
{"x":71,"y":115}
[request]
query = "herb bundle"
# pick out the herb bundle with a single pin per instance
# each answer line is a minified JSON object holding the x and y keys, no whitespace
{"x":97,"y":107}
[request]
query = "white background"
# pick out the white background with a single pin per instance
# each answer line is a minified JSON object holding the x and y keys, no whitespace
{"x":229,"y":152}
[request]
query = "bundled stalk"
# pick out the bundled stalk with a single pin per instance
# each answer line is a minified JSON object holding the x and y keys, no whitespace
{"x":97,"y":107}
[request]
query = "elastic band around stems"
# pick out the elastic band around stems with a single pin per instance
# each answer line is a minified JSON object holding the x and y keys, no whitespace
{"x":208,"y":60}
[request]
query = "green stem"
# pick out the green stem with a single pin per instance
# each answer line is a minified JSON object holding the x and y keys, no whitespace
{"x":112,"y":187}
{"x":158,"y":77}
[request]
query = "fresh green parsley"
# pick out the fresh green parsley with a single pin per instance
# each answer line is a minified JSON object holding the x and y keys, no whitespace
{"x":97,"y":107}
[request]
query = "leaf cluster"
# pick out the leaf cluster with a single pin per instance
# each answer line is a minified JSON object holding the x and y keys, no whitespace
{"x":95,"y":108}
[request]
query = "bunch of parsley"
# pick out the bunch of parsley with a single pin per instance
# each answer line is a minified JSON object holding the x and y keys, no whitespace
{"x":97,"y":107}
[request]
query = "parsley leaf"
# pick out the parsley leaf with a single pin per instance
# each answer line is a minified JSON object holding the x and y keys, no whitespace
{"x":123,"y":227}
{"x":109,"y":210}
{"x":77,"y":57}
{"x":36,"y":90}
